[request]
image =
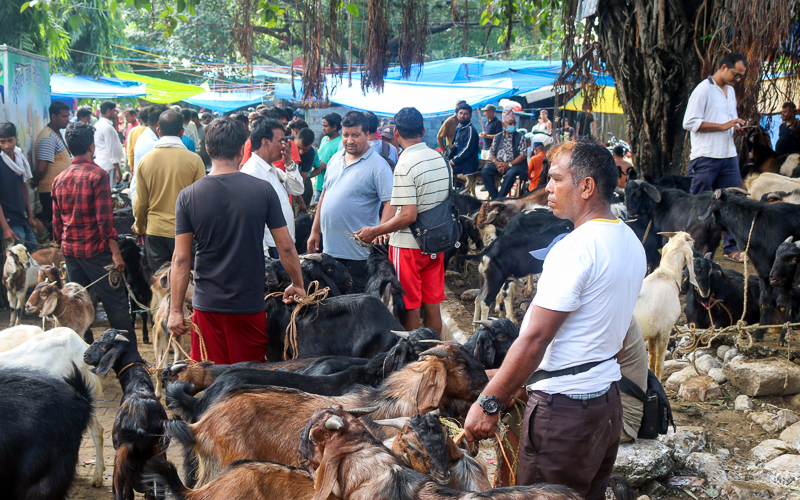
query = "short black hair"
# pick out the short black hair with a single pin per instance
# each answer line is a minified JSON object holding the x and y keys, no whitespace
{"x":592,"y":159}
{"x":132,"y":111}
{"x":464,"y":106}
{"x":730,"y":59}
{"x":459,"y":103}
{"x":619,"y":151}
{"x":242,"y":117}
{"x":186,"y":113}
{"x":225,"y":137}
{"x":306,"y":135}
{"x":408,"y":123}
{"x":7,"y":129}
{"x":170,"y":123}
{"x":79,"y":136}
{"x":372,"y":122}
{"x":154,"y":113}
{"x":356,"y":119}
{"x":106,"y":105}
{"x":143,"y":114}
{"x":334,"y":120}
{"x":207,"y":115}
{"x":195,"y":114}
{"x":263,"y":128}
{"x":56,"y":107}
{"x":83,"y":111}
{"x":275,"y":113}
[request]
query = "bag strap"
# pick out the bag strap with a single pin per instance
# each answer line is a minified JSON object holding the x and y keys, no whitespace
{"x":540,"y":375}
{"x":630,"y":388}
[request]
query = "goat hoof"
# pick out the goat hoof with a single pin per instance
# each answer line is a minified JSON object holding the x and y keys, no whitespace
{"x":97,"y":483}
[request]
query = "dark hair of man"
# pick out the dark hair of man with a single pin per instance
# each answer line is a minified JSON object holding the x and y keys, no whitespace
{"x":84,"y":111}
{"x":170,"y":123}
{"x":131,"y":111}
{"x":56,"y":107}
{"x":225,"y":137}
{"x":464,"y":106}
{"x":299,"y":124}
{"x":356,"y":119}
{"x":274,"y":113}
{"x":589,"y":159}
{"x":459,"y":103}
{"x":372,"y":122}
{"x":105,"y":106}
{"x":154,"y":113}
{"x":79,"y":136}
{"x":619,"y":151}
{"x":730,"y":59}
{"x":789,"y":105}
{"x":7,"y":129}
{"x":206,"y":116}
{"x":334,"y":120}
{"x":408,"y":123}
{"x":186,"y":113}
{"x":195,"y":115}
{"x":306,"y":136}
{"x":288,"y":112}
{"x":242,"y":117}
{"x":263,"y":129}
{"x":143,"y":114}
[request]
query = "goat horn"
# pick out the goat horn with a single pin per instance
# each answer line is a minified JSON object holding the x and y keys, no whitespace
{"x":431,"y":341}
{"x":434,"y":412}
{"x":360,"y":412}
{"x":483,"y":322}
{"x":334,"y":423}
{"x":402,"y":335}
{"x":177,"y":366}
{"x":439,"y":352}
{"x":316,"y":257}
{"x":397,"y":423}
{"x":121,"y":338}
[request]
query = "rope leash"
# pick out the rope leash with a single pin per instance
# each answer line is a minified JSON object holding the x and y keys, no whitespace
{"x":312,"y":298}
{"x":647,"y":231}
{"x":364,"y":244}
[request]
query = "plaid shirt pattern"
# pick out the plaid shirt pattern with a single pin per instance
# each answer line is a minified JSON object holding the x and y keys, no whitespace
{"x":83,"y":213}
{"x":591,"y":395}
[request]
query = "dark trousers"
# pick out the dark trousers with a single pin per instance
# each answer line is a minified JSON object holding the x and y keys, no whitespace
{"x":570,"y":442}
{"x":716,"y":173}
{"x":46,"y":215}
{"x":158,"y":250}
{"x":489,"y":172}
{"x":115,"y":300}
{"x":358,"y":270}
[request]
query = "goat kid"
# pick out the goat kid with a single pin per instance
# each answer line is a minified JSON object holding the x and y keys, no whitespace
{"x":137,"y":281}
{"x":161,"y":341}
{"x":70,"y":306}
{"x":491,"y":342}
{"x":20,"y":273}
{"x":718,"y":296}
{"x":383,"y":282}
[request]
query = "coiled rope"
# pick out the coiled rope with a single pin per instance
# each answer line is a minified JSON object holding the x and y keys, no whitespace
{"x":314,"y":296}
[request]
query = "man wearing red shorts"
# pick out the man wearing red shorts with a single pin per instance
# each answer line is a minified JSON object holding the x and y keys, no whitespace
{"x":225,"y":212}
{"x":421,"y":182}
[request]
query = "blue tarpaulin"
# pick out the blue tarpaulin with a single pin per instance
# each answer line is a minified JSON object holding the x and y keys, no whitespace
{"x":226,"y":101}
{"x":81,"y":87}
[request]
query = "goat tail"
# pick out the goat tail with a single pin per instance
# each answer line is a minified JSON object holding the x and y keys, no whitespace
{"x":162,"y":474}
{"x":135,"y":439}
{"x":84,"y":393}
{"x":621,"y":487}
{"x":179,"y":400}
{"x":180,"y":431}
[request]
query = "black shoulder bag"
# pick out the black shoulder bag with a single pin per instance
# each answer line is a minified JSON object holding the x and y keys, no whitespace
{"x":657,"y":416}
{"x":437,"y":230}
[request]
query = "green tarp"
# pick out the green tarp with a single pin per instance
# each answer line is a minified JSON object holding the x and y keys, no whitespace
{"x":163,"y":91}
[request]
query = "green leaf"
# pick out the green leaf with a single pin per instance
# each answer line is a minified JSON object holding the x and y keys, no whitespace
{"x":164,"y":13}
{"x":352,"y":9}
{"x":24,"y":7}
{"x":75,"y":21}
{"x":181,"y":6}
{"x":183,"y":18}
{"x":114,"y":5}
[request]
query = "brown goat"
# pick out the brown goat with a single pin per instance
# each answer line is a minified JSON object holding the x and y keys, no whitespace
{"x":50,"y":274}
{"x":499,"y":212}
{"x":50,"y":256}
{"x":347,"y":460}
{"x":161,"y":333}
{"x":262,"y":424}
{"x":70,"y":306}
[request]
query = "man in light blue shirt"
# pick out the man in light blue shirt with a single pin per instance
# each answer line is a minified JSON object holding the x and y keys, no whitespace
{"x":358,"y":181}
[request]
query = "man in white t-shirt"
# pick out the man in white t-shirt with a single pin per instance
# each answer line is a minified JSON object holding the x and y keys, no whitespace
{"x":572,"y":333}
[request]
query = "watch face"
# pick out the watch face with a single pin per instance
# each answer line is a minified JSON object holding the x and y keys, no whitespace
{"x":491,"y":406}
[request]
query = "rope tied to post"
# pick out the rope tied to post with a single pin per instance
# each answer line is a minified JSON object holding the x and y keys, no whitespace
{"x":314,"y":296}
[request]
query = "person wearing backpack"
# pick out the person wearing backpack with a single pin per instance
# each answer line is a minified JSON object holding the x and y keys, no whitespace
{"x":633,"y":366}
{"x":383,"y":148}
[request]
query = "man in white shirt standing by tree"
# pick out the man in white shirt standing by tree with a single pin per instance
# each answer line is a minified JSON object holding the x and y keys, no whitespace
{"x":712,"y":120}
{"x":108,"y":149}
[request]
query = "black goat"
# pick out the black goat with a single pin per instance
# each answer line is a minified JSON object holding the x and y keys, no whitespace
{"x":491,"y":342}
{"x":302,"y":230}
{"x":466,"y":204}
{"x":138,"y":281}
{"x":383,"y":282}
{"x":650,"y":241}
{"x":43,"y":420}
{"x":138,"y":432}
{"x":784,"y":272}
{"x":326,"y":270}
{"x":719,"y":292}
{"x":357,"y":325}
{"x":276,"y":279}
{"x":469,"y":233}
{"x":673,"y":210}
{"x":123,"y":220}
{"x":774,"y":222}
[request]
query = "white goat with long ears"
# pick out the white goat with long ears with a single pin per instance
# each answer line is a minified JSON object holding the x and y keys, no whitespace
{"x":659,"y":305}
{"x":20,"y":272}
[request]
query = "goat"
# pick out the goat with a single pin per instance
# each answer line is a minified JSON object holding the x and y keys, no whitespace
{"x":344,"y":458}
{"x":327,"y":271}
{"x":51,"y":274}
{"x":718,"y":296}
{"x":650,"y":241}
{"x":275,"y":276}
{"x":445,"y":377}
{"x":139,"y":425}
{"x":43,"y":422}
{"x":491,"y":342}
{"x":20,"y":273}
{"x":774,"y":222}
{"x":70,"y":306}
{"x":792,"y":197}
{"x":673,"y":210}
{"x":137,"y":282}
{"x":302,"y":230}
{"x":759,"y":185}
{"x":500,"y":212}
{"x":765,"y":159}
{"x":51,"y":256}
{"x":56,"y":352}
{"x":17,"y":335}
{"x":383,"y":282}
{"x":784,"y":274}
{"x":161,"y":333}
{"x":658,"y":305}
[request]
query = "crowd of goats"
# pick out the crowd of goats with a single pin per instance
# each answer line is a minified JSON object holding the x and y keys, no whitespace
{"x":354,"y":406}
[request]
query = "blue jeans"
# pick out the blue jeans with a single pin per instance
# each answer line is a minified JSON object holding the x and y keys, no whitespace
{"x":716,"y":173}
{"x":24,"y":232}
{"x":489,"y":171}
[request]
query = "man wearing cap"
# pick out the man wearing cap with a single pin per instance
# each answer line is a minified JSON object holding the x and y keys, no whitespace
{"x":572,"y":333}
{"x":387,"y":135}
{"x":507,"y":158}
{"x":492,"y":128}
{"x":535,"y":166}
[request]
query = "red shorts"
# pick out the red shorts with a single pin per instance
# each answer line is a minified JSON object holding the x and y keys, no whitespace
{"x":421,"y":275}
{"x":230,"y":338}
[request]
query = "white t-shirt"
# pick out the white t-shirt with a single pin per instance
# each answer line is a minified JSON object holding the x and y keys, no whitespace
{"x":594,"y":273}
{"x":708,"y":103}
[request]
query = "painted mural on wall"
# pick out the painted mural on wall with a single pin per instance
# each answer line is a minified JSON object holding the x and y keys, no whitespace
{"x":25,"y":94}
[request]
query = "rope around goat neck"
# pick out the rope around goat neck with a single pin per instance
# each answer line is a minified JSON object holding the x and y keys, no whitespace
{"x":312,"y":298}
{"x":647,"y":231}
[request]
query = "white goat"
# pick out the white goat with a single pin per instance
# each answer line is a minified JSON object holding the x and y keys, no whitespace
{"x":54,"y":352}
{"x":20,"y":272}
{"x":16,"y":335}
{"x":659,"y":305}
{"x":760,"y":184}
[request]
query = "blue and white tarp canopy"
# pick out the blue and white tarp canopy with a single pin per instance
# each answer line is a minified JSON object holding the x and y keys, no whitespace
{"x":226,"y":101}
{"x":82,"y":87}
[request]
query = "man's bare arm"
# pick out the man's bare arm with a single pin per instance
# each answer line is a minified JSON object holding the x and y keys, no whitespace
{"x":179,"y":281}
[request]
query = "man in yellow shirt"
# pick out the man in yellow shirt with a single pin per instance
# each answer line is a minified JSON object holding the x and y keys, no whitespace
{"x":134,"y":134}
{"x":447,"y":132}
{"x":160,"y":176}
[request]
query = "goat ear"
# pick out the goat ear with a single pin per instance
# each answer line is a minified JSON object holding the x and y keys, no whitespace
{"x":107,"y":361}
{"x":652,"y":192}
{"x":452,"y":450}
{"x":431,"y":386}
{"x":386,"y":297}
{"x":49,"y":305}
{"x":707,"y":256}
{"x":689,"y":256}
{"x":667,"y":234}
{"x":164,"y":280}
{"x":326,"y":475}
{"x":797,"y":244}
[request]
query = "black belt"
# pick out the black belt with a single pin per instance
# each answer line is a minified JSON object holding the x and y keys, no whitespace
{"x":574,"y":370}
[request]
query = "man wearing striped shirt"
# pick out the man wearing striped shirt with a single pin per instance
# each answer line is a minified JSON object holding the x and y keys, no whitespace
{"x":421,"y":182}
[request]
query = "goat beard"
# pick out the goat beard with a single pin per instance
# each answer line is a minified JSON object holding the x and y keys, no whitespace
{"x":326,"y":475}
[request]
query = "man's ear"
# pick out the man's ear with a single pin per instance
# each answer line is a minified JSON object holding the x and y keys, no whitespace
{"x":590,"y":187}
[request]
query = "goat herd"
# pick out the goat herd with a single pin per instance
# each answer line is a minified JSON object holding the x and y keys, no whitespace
{"x":354,"y":408}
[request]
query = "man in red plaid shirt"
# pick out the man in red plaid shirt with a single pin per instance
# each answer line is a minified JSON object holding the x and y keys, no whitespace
{"x":83,"y":225}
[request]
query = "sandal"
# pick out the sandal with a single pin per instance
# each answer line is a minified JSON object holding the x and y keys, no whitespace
{"x":734,"y":257}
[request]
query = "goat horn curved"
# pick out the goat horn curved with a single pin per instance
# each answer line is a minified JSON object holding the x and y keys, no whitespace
{"x":483,"y":322}
{"x":431,"y":341}
{"x":177,"y":366}
{"x":360,"y":412}
{"x":397,"y":423}
{"x":334,"y":423}
{"x":402,"y":335}
{"x":316,"y":257}
{"x":121,"y":338}
{"x":434,"y":412}
{"x":439,"y":352}
{"x":737,"y":190}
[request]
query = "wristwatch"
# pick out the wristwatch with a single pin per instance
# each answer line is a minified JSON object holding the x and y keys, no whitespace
{"x":490,"y":404}
{"x":291,"y":167}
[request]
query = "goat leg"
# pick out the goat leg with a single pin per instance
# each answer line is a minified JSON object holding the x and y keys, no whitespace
{"x":99,"y":466}
{"x":88,"y":336}
{"x":145,"y":333}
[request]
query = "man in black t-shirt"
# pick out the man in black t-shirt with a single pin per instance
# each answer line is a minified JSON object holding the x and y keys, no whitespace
{"x":492,"y":128}
{"x":586,"y":122}
{"x":225,"y":212}
{"x":789,"y":134}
